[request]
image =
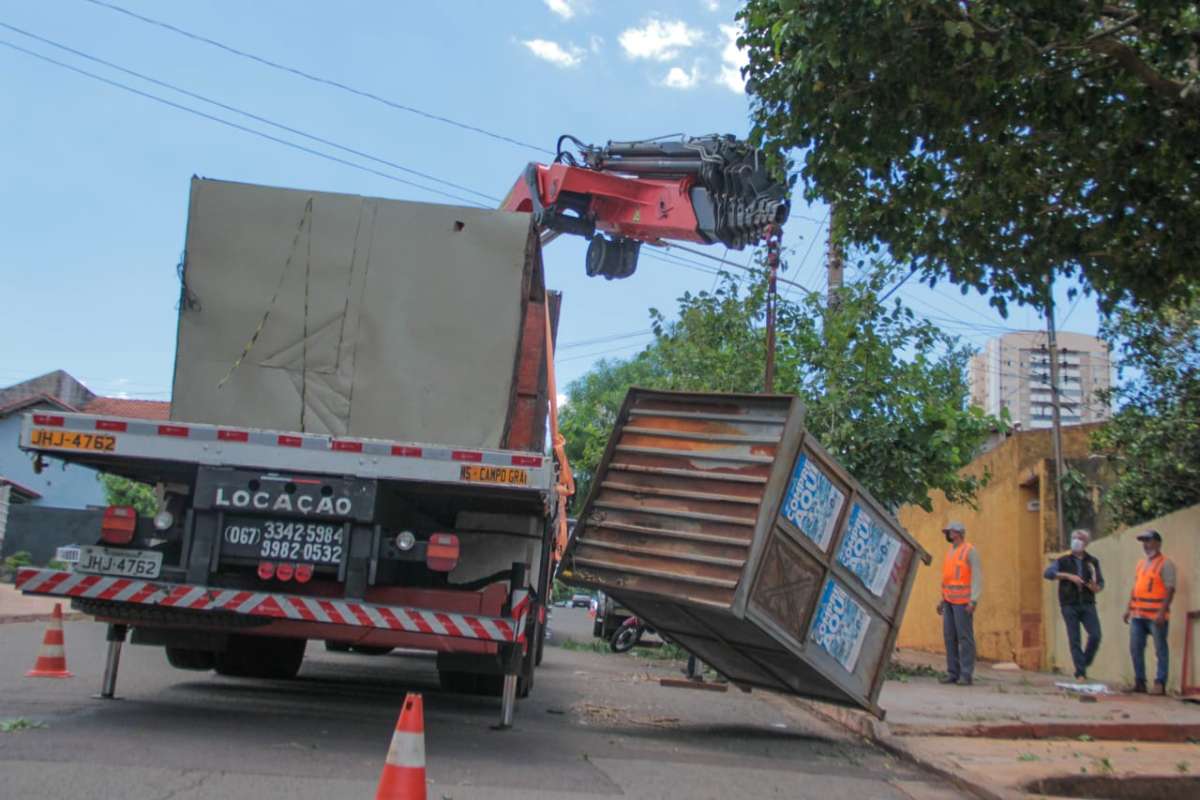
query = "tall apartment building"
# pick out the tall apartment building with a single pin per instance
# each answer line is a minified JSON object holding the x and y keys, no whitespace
{"x":1013,"y":372}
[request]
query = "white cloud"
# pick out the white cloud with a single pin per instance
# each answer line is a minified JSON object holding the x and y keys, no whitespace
{"x":561,"y":7}
{"x":679,"y":78}
{"x":556,"y":54}
{"x":659,"y":40}
{"x":712,"y":5}
{"x":732,"y":61}
{"x":595,"y":43}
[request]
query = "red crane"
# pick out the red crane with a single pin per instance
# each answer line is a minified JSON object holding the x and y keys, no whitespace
{"x":709,"y":190}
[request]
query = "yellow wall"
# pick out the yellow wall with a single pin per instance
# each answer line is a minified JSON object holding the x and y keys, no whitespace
{"x":1118,"y":556}
{"x":1007,"y":531}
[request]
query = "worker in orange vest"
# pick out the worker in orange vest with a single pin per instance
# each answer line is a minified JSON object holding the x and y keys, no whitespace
{"x":962,"y":583}
{"x":1150,"y":608}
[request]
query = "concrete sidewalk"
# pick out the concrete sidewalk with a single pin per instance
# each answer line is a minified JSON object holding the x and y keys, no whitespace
{"x":16,"y":607}
{"x":1013,"y":729}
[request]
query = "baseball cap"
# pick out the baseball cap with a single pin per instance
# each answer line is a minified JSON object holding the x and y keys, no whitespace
{"x":954,"y":527}
{"x":1151,"y":534}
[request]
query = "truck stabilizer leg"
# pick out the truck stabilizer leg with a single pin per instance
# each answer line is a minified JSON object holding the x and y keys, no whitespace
{"x":508,"y":702}
{"x":116,"y":637}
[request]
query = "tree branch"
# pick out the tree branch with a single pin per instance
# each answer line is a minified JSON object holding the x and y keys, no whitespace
{"x":1128,"y":59}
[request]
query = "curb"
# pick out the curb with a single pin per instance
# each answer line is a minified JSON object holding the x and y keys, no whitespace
{"x":68,"y":616}
{"x":877,"y":732}
{"x":1161,"y":732}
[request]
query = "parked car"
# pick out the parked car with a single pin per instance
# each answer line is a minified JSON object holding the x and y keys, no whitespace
{"x":581,"y":601}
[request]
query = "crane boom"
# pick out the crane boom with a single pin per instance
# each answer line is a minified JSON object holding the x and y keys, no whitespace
{"x":709,"y":190}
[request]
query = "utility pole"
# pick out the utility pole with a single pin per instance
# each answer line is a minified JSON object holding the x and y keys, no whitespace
{"x":835,"y":269}
{"x":1052,"y":346}
{"x":774,"y":236}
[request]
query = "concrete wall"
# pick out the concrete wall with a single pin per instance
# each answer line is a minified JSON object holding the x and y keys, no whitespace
{"x":41,"y":530}
{"x":1118,"y":554}
{"x":1008,"y":529}
{"x":60,"y":485}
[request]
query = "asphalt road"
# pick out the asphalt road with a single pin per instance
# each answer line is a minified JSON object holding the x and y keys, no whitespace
{"x":597,"y":725}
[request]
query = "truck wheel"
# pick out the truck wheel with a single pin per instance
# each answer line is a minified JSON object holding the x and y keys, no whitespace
{"x":261,"y":657}
{"x":187,"y":658}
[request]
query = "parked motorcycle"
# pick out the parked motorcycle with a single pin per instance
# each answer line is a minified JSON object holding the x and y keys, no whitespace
{"x":628,"y":635}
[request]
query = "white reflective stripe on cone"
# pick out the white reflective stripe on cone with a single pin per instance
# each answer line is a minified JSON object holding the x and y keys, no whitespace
{"x":52,"y":651}
{"x":407,"y":750}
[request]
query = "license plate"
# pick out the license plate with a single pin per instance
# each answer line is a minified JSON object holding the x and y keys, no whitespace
{"x":283,"y":540}
{"x":126,"y":563}
{"x":506,"y":475}
{"x":72,"y":440}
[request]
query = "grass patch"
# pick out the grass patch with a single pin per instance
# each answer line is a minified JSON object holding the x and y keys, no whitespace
{"x":586,"y":647}
{"x":19,"y":724}
{"x":667,"y":652}
{"x":903,"y":673}
{"x":1028,"y":757}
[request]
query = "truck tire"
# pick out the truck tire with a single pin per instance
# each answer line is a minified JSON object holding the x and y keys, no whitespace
{"x":371,"y":649}
{"x":187,"y":658}
{"x":261,"y":657}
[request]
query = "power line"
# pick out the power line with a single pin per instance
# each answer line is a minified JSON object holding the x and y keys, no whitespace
{"x":816,"y":235}
{"x":317,"y":78}
{"x":247,"y":114}
{"x":603,"y":339}
{"x":598,"y":353}
{"x":235,"y":125}
{"x":719,"y":260}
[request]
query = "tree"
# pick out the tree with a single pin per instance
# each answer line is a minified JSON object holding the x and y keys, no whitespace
{"x":120,"y":491}
{"x":1153,"y":440}
{"x":884,"y":392}
{"x":995,"y":143}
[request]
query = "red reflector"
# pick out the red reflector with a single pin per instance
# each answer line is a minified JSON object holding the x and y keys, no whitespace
{"x":110,"y":425}
{"x":172,"y":430}
{"x":441,"y":554}
{"x":233,"y":436}
{"x":348,"y":447}
{"x":466,"y":455}
{"x":118,"y":524}
{"x":407,"y":452}
{"x":526,"y":461}
{"x":266,"y":570}
{"x":290,"y":441}
{"x":285,"y":572}
{"x":48,"y":419}
{"x":304,"y":573}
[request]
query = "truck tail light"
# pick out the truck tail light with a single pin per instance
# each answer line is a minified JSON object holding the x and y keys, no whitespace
{"x":304,"y":573}
{"x":118,"y":525}
{"x":284,"y":572}
{"x":266,"y":570}
{"x":441,"y":555}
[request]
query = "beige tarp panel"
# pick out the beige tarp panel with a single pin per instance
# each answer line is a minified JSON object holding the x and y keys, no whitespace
{"x":339,"y":314}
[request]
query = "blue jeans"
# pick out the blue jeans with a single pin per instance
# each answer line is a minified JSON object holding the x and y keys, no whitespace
{"x":1085,"y":615}
{"x":1139,"y":629}
{"x":958,"y":632}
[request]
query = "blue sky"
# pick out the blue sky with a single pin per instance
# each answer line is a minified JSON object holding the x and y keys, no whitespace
{"x":95,"y":178}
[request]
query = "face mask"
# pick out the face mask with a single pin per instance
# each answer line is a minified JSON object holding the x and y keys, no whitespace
{"x":1077,"y":545}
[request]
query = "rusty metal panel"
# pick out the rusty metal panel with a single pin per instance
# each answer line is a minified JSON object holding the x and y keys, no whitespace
{"x":724,"y":524}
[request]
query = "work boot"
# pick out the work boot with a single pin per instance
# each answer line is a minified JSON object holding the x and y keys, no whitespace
{"x":1081,"y":676}
{"x":1137,"y":688}
{"x":948,"y":679}
{"x":1159,"y":689}
{"x":967,"y":681}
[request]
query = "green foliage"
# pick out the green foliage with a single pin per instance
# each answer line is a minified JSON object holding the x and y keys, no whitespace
{"x":992,"y":142}
{"x":120,"y":491}
{"x":903,"y":673}
{"x":885,"y":392}
{"x":1077,"y":499}
{"x":19,"y":724}
{"x":21,"y":558}
{"x":1153,"y":440}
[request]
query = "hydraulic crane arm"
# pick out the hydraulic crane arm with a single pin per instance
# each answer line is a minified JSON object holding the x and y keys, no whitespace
{"x":709,"y":190}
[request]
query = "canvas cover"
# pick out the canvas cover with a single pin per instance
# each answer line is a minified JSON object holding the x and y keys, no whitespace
{"x":348,"y":315}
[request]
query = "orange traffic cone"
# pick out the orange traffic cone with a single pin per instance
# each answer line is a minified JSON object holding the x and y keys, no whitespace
{"x":403,"y":775}
{"x":52,"y":658}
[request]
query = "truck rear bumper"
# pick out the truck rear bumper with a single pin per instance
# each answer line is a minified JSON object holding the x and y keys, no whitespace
{"x":338,"y":615}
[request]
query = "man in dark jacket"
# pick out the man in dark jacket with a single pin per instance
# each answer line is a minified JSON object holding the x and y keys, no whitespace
{"x":1079,"y":580}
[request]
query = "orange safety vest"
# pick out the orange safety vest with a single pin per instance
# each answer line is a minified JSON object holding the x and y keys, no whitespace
{"x":956,"y":575}
{"x":1149,"y":591}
